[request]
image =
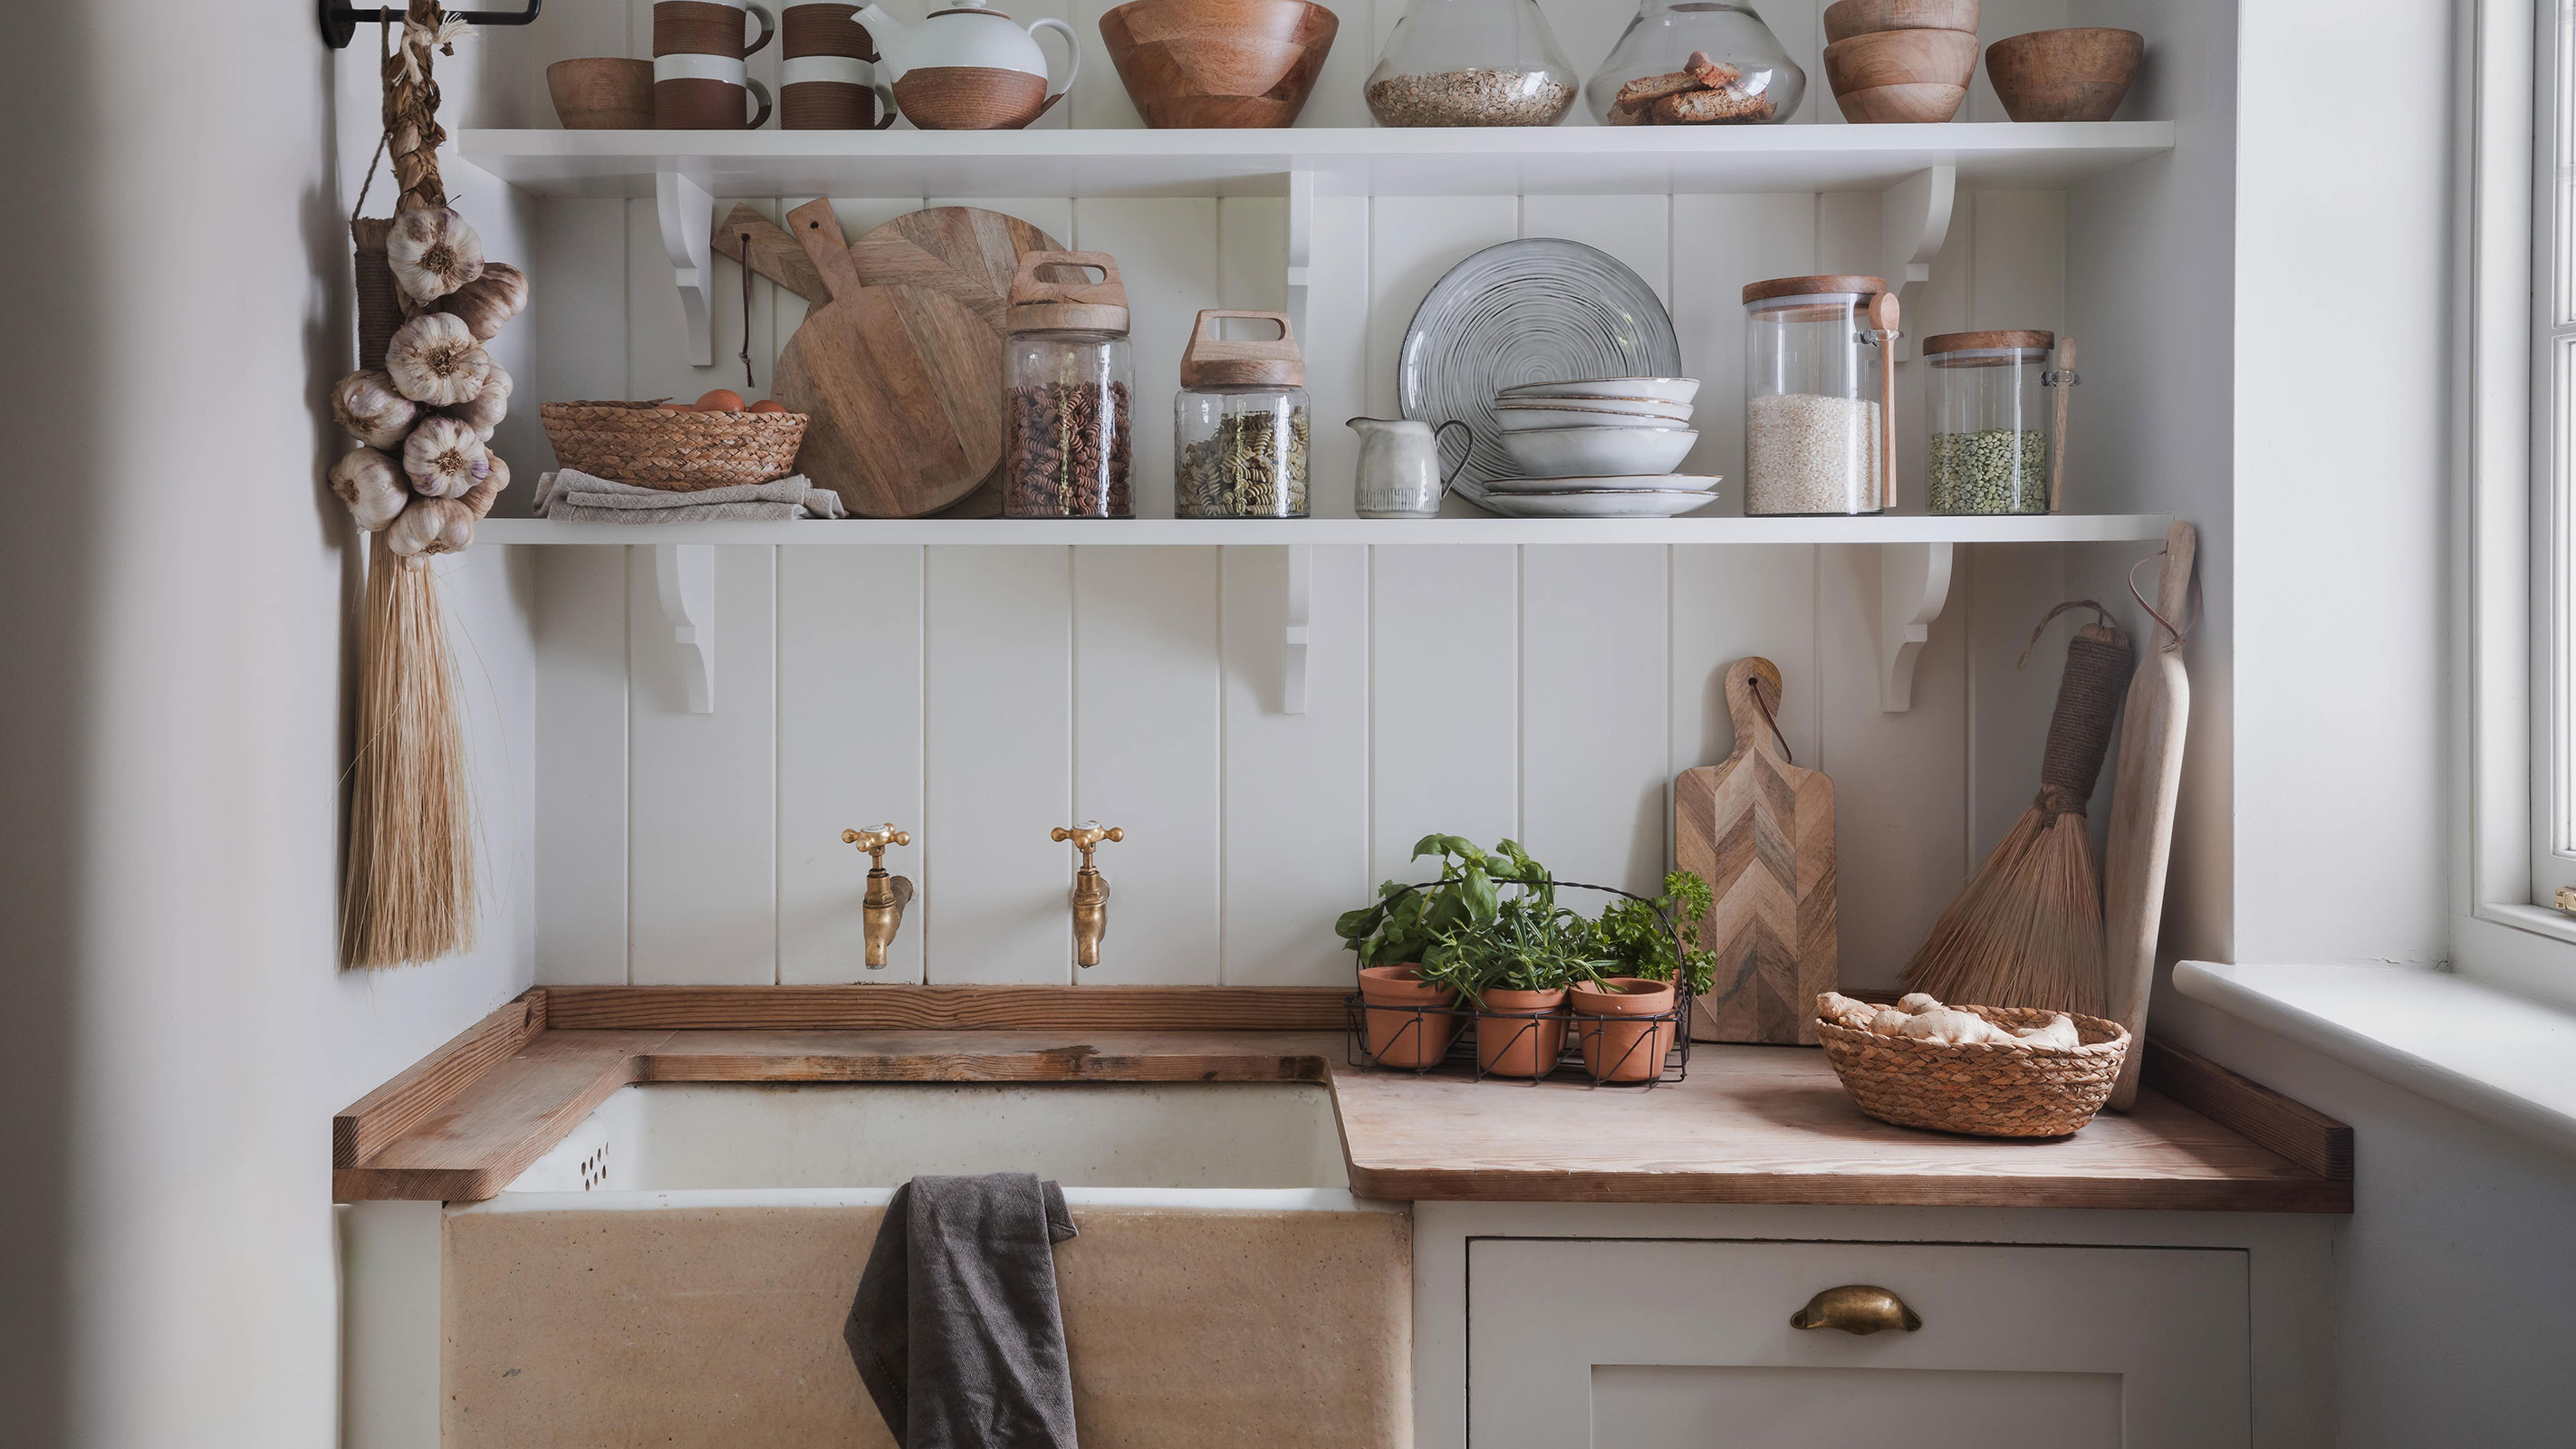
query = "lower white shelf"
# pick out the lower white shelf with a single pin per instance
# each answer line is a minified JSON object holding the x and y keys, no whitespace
{"x":1915,"y":556}
{"x":1211,"y":532}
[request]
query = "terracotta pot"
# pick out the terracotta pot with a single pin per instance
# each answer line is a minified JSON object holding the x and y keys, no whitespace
{"x":1510,"y":1045}
{"x":2064,"y":75}
{"x":1623,"y":1051}
{"x":1406,"y":1038}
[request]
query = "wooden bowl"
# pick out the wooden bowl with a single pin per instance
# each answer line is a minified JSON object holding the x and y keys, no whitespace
{"x":1900,"y":58}
{"x":1847,"y":18}
{"x":2064,"y":75}
{"x":1922,"y":102}
{"x":602,"y":93}
{"x":1222,"y":63}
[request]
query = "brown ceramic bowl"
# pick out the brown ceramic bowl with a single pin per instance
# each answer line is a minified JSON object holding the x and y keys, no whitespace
{"x":1901,"y":58}
{"x":1847,"y":18}
{"x":2065,"y":75}
{"x":1218,"y":63}
{"x":602,"y":93}
{"x":1921,"y":104}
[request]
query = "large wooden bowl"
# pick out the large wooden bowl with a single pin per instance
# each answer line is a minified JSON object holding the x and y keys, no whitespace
{"x":2064,"y":75}
{"x":1901,"y":58}
{"x":1190,"y":63}
{"x":1847,"y":18}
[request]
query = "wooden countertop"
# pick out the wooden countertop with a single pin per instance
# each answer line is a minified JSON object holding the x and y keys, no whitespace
{"x":1750,"y":1125}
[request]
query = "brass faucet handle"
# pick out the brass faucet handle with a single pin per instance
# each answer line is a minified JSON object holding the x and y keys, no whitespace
{"x":1087,"y":838}
{"x":874,"y":842}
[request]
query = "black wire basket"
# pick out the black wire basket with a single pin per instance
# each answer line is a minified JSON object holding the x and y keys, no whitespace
{"x":1460,"y":1038}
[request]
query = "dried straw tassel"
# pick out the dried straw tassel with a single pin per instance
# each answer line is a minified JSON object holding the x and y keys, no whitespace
{"x":411,"y":845}
{"x":2028,"y":929}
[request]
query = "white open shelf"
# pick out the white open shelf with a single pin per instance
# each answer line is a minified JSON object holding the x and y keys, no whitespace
{"x":1914,"y":559}
{"x":1558,"y":160}
{"x":1206,"y":532}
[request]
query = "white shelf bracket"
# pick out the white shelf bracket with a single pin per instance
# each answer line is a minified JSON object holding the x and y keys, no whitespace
{"x":1913,"y":588}
{"x":688,"y":217}
{"x":1300,"y":591}
{"x":1301,"y":246}
{"x":1913,"y":221}
{"x":684,"y":580}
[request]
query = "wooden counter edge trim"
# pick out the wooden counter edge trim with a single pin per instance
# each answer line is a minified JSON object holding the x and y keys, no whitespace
{"x":365,"y":1126}
{"x":899,"y":1006}
{"x":486,"y":1178}
{"x":2293,"y":1129}
{"x":1826,"y":1189}
{"x":1071,"y":1064}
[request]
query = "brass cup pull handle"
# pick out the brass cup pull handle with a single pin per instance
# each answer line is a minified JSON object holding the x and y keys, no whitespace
{"x":1857,"y":1308}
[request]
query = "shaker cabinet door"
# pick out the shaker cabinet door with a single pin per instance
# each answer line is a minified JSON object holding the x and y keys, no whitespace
{"x":1664,"y":1344}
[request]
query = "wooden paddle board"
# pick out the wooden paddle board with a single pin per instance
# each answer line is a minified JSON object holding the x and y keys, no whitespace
{"x":1760,"y":831}
{"x":2145,"y":783}
{"x":903,"y":386}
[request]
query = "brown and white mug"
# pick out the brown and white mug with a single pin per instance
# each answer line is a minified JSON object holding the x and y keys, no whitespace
{"x":827,"y":79}
{"x":698,"y":78}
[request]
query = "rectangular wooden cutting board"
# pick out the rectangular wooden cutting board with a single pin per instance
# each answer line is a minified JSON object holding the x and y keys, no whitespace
{"x":1760,"y":831}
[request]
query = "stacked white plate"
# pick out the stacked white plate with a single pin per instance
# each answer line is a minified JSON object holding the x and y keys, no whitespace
{"x":1599,"y":448}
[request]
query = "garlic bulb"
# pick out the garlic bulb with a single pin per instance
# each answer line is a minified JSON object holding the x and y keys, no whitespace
{"x":457,"y":533}
{"x":434,"y":360}
{"x":367,"y":404}
{"x":372,"y":484}
{"x":433,"y":253}
{"x":478,"y":499}
{"x":444,"y":458}
{"x":419,"y":526}
{"x":488,"y":407}
{"x":490,"y":300}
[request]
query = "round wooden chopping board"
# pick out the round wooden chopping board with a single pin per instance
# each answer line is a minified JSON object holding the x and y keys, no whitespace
{"x":964,"y":252}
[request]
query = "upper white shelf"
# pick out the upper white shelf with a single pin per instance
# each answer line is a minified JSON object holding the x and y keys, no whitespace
{"x":2054,"y":528}
{"x":1559,"y":160}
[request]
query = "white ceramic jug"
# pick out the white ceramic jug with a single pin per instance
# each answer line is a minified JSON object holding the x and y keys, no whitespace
{"x":1400,"y":473}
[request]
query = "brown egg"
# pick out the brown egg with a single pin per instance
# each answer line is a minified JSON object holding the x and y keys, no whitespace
{"x":722,"y":400}
{"x":767,"y":405}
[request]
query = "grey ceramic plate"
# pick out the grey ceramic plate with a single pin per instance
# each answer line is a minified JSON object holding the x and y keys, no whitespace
{"x":1535,"y":310}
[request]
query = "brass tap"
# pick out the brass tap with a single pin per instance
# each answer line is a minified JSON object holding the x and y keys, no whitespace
{"x":887,"y":894}
{"x":1090,"y":891}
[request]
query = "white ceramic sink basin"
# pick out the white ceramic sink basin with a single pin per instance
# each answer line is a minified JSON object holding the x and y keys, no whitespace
{"x":686,"y":1136}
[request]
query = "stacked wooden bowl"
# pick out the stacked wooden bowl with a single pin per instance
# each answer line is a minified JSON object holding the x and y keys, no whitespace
{"x":1900,"y":60}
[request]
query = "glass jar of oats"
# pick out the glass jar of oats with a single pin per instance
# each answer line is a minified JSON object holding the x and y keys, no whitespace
{"x":1817,"y":390}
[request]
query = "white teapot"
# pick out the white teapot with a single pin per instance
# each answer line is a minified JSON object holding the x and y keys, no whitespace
{"x":969,"y":67}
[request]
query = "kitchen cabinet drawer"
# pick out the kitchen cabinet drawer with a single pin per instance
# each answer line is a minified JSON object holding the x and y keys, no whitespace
{"x":1686,"y":1344}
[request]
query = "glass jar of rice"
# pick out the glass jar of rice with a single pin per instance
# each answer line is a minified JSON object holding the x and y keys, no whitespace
{"x":1816,"y":396}
{"x":1989,"y":418}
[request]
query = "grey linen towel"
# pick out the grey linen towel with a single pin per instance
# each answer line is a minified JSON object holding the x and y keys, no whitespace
{"x":955,"y":1329}
{"x":577,"y":497}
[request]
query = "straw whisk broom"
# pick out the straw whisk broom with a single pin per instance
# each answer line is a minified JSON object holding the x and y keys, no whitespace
{"x":2028,"y":929}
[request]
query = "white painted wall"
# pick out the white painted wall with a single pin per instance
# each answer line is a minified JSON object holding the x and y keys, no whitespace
{"x":177,"y":728}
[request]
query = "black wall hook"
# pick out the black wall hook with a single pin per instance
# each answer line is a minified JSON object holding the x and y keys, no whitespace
{"x":340,"y":22}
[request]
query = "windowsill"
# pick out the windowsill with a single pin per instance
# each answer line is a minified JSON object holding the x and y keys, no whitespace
{"x":2503,"y":1059}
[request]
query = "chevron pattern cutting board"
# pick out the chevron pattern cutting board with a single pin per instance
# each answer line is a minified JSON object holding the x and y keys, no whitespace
{"x":1760,"y":831}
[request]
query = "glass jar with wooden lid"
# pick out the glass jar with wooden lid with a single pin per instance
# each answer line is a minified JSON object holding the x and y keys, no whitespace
{"x":1240,"y":428}
{"x":1071,"y":405}
{"x":1989,"y":421}
{"x":1819,"y":391}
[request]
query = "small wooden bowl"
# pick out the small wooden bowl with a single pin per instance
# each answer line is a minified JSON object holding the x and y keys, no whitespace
{"x":1847,"y":18}
{"x":2065,"y":75}
{"x":602,"y":93}
{"x":1920,"y":103}
{"x":1219,"y":63}
{"x":1901,"y":58}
